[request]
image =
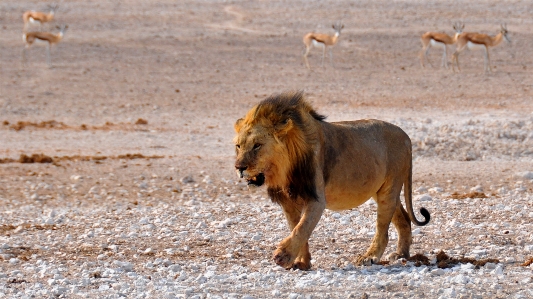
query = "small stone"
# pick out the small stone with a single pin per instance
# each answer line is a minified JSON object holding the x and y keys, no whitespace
{"x":527,"y":175}
{"x":187,"y":179}
{"x":126,"y":266}
{"x":423,"y":197}
{"x":437,"y":272}
{"x":103,"y":287}
{"x":76,"y":177}
{"x":436,"y":190}
{"x":421,"y":189}
{"x":498,"y":270}
{"x":510,"y":259}
{"x":59,"y":290}
{"x":14,"y":261}
{"x":460,"y":279}
{"x":477,"y":188}
{"x":174,"y":268}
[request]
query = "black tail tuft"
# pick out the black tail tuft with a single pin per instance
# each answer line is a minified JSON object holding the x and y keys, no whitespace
{"x":426,"y":215}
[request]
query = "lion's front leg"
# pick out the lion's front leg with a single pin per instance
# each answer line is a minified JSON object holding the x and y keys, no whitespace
{"x":293,"y":251}
{"x":303,"y":261}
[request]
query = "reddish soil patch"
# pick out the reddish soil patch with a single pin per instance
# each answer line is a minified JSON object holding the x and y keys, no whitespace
{"x":456,"y":195}
{"x":35,"y":158}
{"x":444,"y":261}
{"x":528,"y":262}
{"x":57,"y":125}
{"x":41,"y":158}
{"x":419,"y":260}
{"x":6,"y":160}
{"x":50,"y":124}
{"x":8,"y":229}
{"x":141,"y":121}
{"x":138,"y":156}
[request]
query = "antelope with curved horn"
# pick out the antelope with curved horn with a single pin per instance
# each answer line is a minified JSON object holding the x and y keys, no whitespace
{"x":475,"y":41}
{"x":31,"y":17}
{"x":439,"y":40}
{"x":323,"y":41}
{"x":50,"y":39}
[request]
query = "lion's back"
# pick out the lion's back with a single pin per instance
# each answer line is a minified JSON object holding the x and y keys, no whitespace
{"x":370,"y":130}
{"x":367,"y":141}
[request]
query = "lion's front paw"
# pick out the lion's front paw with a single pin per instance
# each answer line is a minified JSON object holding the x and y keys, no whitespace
{"x":302,"y":264}
{"x":283,"y":258}
{"x":365,"y":260}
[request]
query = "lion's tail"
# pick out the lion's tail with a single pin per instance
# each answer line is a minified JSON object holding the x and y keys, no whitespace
{"x":408,"y":194}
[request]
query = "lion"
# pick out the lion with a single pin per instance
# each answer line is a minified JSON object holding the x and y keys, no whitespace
{"x":309,"y":165}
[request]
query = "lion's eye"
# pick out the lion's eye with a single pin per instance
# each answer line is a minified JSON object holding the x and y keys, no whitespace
{"x":257,"y":146}
{"x":237,"y":145}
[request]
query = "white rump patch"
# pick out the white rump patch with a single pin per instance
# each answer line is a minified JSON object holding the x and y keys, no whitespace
{"x":473,"y":46}
{"x":318,"y":44}
{"x":436,"y":44}
{"x":33,"y":21}
{"x":40,"y":42}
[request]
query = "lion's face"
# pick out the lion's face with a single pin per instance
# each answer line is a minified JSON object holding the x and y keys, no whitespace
{"x":270,"y":142}
{"x":257,"y":149}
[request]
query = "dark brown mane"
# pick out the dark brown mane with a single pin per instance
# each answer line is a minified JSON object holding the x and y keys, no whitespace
{"x":289,"y":104}
{"x":293,"y":106}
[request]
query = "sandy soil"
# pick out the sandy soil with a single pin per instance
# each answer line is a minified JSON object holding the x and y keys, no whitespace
{"x":145,"y":91}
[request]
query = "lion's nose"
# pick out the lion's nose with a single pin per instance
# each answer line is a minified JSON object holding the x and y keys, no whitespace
{"x":241,"y":169}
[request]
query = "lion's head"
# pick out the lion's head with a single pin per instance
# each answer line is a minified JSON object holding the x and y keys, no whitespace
{"x":274,"y":144}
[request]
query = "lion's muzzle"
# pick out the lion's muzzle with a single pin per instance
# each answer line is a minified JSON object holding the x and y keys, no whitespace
{"x":257,"y":180}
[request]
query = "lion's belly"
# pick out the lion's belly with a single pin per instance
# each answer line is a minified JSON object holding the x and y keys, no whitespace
{"x":339,"y":198}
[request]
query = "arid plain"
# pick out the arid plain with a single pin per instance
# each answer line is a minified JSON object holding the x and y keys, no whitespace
{"x":137,"y":111}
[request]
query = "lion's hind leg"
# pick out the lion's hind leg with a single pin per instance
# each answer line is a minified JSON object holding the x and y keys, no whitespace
{"x":402,"y":223}
{"x":386,"y":208}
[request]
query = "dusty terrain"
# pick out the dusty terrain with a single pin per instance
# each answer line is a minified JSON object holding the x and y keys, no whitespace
{"x":136,"y":117}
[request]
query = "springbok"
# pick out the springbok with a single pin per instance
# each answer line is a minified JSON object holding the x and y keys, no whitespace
{"x":439,"y":40}
{"x":42,"y":37}
{"x":323,"y":41}
{"x":475,"y":41}
{"x":31,"y":17}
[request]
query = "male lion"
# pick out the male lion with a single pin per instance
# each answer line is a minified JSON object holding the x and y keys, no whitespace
{"x":309,"y":165}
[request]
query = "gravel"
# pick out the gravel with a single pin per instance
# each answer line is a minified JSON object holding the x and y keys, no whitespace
{"x":214,"y":240}
{"x":180,"y":225}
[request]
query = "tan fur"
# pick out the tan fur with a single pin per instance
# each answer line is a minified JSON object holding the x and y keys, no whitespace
{"x":341,"y":164}
{"x":439,"y":38}
{"x":37,"y":16}
{"x":482,"y":40}
{"x":321,"y":39}
{"x":51,"y":39}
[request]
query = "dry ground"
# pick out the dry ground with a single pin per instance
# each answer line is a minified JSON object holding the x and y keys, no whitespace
{"x":191,"y":68}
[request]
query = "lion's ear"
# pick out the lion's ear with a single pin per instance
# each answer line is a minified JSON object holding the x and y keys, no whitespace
{"x":238,"y":125}
{"x":284,"y":127}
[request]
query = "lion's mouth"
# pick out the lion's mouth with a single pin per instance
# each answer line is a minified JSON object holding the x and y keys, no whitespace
{"x":257,"y":180}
